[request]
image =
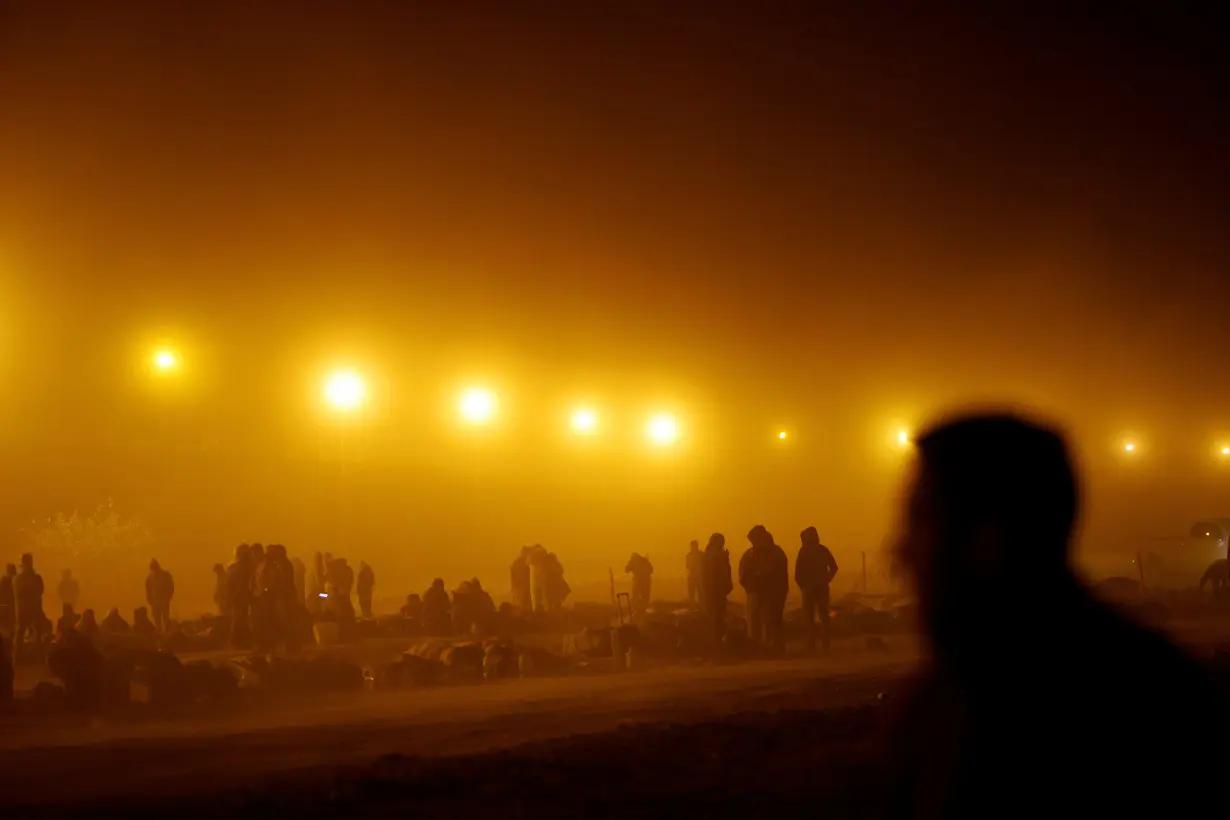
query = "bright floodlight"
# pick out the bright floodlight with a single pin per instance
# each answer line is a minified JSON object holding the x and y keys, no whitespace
{"x":662,"y":429}
{"x":345,"y":390}
{"x":1129,"y":447}
{"x":1225,"y":451}
{"x":584,"y":421}
{"x":478,"y":405}
{"x":903,"y":437}
{"x":165,"y":360}
{"x":782,"y":435}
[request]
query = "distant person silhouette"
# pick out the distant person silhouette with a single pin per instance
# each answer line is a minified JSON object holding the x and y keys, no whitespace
{"x":1037,"y":699}
{"x":159,"y":589}
{"x":814,"y":570}
{"x":28,"y":592}
{"x":642,"y":577}
{"x":519,"y":579}
{"x":695,"y":566}
{"x":716,"y":584}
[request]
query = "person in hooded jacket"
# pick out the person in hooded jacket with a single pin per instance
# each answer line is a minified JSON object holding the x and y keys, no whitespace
{"x":716,"y":584}
{"x":765,"y":577}
{"x":437,"y":609}
{"x":159,"y":589}
{"x":814,"y":570}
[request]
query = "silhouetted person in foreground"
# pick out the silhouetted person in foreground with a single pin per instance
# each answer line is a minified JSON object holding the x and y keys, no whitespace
{"x":642,"y":576}
{"x":695,"y":566}
{"x":764,"y":575}
{"x":159,"y":589}
{"x":114,"y":623}
{"x":364,"y":584}
{"x":88,"y":626}
{"x":716,"y":584}
{"x":8,"y":602}
{"x":813,"y":572}
{"x":1037,"y":698}
{"x":69,"y":591}
{"x":28,"y":592}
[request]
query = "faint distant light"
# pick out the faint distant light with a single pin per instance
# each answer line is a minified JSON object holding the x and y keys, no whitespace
{"x":584,"y":421}
{"x":165,"y":360}
{"x":345,"y":390}
{"x":478,"y":405}
{"x":662,"y":429}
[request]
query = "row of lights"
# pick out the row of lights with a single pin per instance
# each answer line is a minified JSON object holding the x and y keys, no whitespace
{"x":345,"y":391}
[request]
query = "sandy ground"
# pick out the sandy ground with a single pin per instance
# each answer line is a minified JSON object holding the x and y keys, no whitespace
{"x":118,"y":765}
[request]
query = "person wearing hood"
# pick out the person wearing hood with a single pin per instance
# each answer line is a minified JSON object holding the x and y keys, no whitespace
{"x":765,"y":577}
{"x":142,"y":626}
{"x":814,"y":570}
{"x":159,"y":589}
{"x":239,"y":596}
{"x":716,"y":584}
{"x":273,"y":593}
{"x":365,"y":583}
{"x":28,"y":592}
{"x":114,"y":623}
{"x":519,"y":576}
{"x":69,"y":591}
{"x":642,"y":575}
{"x":437,"y":609}
{"x":88,"y":625}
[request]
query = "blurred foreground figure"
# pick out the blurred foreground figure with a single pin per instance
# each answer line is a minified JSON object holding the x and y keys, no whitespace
{"x":364,"y":585}
{"x":1217,"y":578}
{"x":69,"y":591}
{"x":716,"y":584}
{"x":694,"y":564}
{"x":642,"y":575}
{"x":764,"y":575}
{"x":813,"y":572}
{"x":159,"y":589}
{"x":1037,"y":698}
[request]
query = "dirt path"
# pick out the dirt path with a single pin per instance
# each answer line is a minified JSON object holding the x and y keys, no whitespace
{"x":79,"y":766}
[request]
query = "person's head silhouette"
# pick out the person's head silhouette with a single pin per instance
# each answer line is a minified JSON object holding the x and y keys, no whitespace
{"x":988,"y":522}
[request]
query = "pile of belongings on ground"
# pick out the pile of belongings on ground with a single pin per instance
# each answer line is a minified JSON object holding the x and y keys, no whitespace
{"x":440,"y":660}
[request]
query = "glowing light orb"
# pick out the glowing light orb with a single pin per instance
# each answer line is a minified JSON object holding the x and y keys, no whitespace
{"x":1129,"y":447}
{"x":782,"y":435}
{"x":662,"y":429}
{"x":584,"y":421}
{"x":1225,"y":451}
{"x":345,"y":390}
{"x":165,"y":360}
{"x":478,"y":405}
{"x":903,"y":437}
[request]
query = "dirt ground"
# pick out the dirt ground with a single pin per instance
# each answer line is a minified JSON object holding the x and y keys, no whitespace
{"x":755,"y":738}
{"x":226,"y":765}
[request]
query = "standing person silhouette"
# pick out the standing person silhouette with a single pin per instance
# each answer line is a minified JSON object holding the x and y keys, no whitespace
{"x":1036,"y":696}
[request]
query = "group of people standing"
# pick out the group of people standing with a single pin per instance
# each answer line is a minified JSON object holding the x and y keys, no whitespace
{"x":538,"y":583}
{"x":764,"y":574}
